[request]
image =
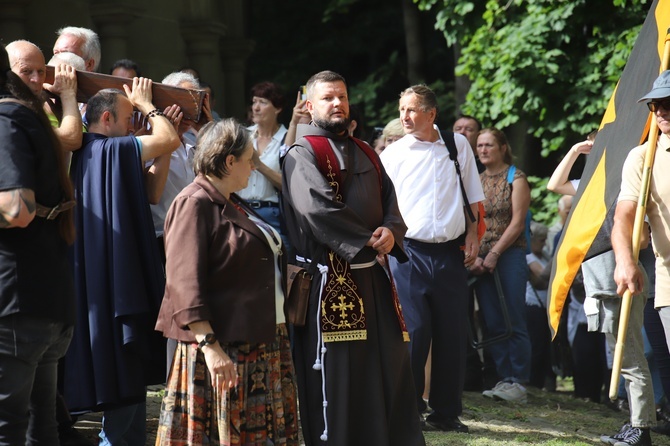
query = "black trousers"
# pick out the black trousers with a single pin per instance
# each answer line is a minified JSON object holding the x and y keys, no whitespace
{"x":540,"y":341}
{"x":589,"y":363}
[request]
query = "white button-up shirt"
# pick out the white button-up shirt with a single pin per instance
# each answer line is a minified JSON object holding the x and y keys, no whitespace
{"x":259,"y":187}
{"x":180,"y":175}
{"x":428,"y":190}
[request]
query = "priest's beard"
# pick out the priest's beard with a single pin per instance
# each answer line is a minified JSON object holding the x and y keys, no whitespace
{"x":337,"y":127}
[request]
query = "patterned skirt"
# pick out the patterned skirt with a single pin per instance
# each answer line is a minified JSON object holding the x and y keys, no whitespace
{"x":261,"y":410}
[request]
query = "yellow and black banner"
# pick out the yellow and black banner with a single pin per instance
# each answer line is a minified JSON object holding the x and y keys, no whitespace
{"x":624,"y":126}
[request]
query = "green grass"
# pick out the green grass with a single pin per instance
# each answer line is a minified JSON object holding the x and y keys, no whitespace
{"x":549,"y":418}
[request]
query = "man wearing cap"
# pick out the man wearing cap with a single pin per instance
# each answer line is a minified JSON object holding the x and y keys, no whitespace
{"x":628,"y":274}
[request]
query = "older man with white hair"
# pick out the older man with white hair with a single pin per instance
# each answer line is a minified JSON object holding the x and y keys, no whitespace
{"x":180,"y":173}
{"x":81,"y":41}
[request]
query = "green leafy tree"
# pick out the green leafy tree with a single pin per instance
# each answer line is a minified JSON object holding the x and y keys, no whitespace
{"x":547,"y":67}
{"x":543,"y":204}
{"x":549,"y":64}
{"x":374,"y":44}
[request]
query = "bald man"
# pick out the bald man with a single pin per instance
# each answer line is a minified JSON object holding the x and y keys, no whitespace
{"x":27,"y":61}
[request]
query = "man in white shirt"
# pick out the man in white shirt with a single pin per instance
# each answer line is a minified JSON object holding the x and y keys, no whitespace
{"x":441,"y":242}
{"x":180,"y":173}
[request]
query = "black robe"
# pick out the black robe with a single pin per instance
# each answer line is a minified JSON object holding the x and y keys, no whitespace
{"x":369,"y":387}
{"x":119,"y":280}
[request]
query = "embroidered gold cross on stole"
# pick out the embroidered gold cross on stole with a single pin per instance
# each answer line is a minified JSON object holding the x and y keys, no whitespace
{"x":342,"y":312}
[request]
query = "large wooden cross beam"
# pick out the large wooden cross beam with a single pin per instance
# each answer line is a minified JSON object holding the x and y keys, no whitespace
{"x":89,"y":83}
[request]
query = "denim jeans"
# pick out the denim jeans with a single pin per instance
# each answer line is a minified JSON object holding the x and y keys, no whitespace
{"x":30,"y":348}
{"x":272,"y":215}
{"x":513,"y":355}
{"x":124,"y":426}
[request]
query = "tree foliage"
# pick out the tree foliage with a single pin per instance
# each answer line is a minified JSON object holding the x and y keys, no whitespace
{"x":546,"y":65}
{"x":364,"y":40}
{"x":550,"y":63}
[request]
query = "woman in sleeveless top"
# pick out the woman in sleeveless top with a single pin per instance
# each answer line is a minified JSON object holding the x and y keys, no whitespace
{"x":503,"y":252}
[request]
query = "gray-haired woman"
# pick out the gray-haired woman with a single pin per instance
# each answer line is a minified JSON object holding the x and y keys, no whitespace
{"x":232,"y":379}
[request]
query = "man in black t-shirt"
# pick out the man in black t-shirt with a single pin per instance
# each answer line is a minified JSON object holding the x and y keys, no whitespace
{"x":36,"y":292}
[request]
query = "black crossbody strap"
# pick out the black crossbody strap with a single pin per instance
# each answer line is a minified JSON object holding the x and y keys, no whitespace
{"x":449,"y":140}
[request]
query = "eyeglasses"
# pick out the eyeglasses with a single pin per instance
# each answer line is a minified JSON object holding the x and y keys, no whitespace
{"x":655,"y":105}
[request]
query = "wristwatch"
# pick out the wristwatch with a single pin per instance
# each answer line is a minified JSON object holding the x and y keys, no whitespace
{"x":209,"y":339}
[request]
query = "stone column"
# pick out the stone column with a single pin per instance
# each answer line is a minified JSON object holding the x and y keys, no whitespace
{"x":202,"y":37}
{"x":235,"y":50}
{"x":112,"y":20}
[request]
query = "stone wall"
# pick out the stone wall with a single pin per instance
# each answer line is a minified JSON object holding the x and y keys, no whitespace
{"x":160,"y":35}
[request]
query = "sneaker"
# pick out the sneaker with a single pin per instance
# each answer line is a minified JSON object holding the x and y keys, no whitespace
{"x":662,"y":428}
{"x":638,"y":436}
{"x":514,"y":392}
{"x":611,"y":439}
{"x":500,"y":385}
{"x":662,"y":415}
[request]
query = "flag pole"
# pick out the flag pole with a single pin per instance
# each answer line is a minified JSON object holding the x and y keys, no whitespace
{"x":640,"y":212}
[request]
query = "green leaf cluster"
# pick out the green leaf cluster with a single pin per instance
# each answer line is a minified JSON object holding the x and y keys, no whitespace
{"x":543,"y":204}
{"x":550,"y":63}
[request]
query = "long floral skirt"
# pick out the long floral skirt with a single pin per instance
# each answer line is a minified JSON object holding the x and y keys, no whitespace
{"x":261,"y":410}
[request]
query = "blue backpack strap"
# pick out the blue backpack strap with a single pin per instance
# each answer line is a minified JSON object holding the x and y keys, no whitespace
{"x":510,"y":174}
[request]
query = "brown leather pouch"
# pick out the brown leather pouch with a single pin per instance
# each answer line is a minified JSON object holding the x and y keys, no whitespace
{"x":299,"y":282}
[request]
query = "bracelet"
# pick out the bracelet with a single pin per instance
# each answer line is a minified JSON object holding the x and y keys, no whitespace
{"x":495,"y":253}
{"x":155,"y":112}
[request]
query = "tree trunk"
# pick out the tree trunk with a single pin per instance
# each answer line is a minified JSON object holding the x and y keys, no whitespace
{"x":415,"y":56}
{"x":461,"y":83}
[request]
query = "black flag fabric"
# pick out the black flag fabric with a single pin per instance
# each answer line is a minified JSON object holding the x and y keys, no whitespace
{"x":624,"y":126}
